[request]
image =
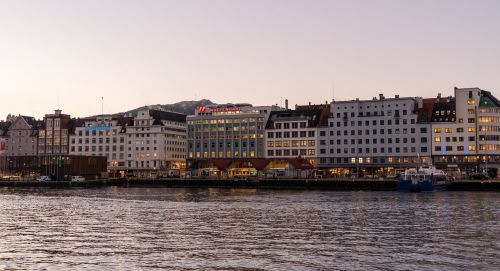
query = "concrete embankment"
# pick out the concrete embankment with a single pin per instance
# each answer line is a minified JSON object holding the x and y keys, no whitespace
{"x":311,"y":184}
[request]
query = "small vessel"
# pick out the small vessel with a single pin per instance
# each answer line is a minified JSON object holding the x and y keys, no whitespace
{"x":426,"y":179}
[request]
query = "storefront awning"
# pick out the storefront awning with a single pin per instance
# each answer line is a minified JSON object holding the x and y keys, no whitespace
{"x":258,"y":164}
{"x":300,"y":163}
{"x":221,"y":164}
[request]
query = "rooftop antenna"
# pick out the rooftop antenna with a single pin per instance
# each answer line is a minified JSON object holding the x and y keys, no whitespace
{"x":333,"y":91}
{"x":57,"y":99}
{"x":102,"y":110}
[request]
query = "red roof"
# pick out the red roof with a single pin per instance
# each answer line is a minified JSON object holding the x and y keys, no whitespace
{"x":221,"y":163}
{"x":300,"y":163}
{"x":258,"y":163}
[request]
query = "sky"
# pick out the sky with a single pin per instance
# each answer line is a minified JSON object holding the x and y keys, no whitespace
{"x":68,"y":54}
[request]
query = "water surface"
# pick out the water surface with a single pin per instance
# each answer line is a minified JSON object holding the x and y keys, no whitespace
{"x":232,"y":229}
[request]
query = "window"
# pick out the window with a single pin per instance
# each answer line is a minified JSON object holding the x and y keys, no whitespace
{"x":437,"y":130}
{"x":437,"y":139}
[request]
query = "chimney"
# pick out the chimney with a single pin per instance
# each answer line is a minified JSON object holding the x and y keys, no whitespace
{"x":397,"y":96}
{"x":381,"y":96}
{"x":309,"y":104}
{"x":57,"y":112}
{"x":286,"y":104}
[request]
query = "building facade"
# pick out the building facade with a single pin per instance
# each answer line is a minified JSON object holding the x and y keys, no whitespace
{"x":22,"y":139}
{"x":294,"y":133}
{"x":221,"y":133}
{"x":53,"y":136}
{"x":103,"y":136}
{"x":156,"y":141}
{"x":466,"y":131}
{"x":377,"y":137}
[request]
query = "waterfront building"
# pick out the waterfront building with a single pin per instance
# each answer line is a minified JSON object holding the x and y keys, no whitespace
{"x":377,"y":137}
{"x":227,"y":139}
{"x":22,"y":136}
{"x":156,"y":141}
{"x":292,"y":135}
{"x":103,"y":136}
{"x":58,"y":167}
{"x":4,"y":134}
{"x":53,"y":136}
{"x":466,"y":131}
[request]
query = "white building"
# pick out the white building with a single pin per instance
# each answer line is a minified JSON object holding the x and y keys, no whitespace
{"x":294,"y":133}
{"x":156,"y":141}
{"x":102,"y":136}
{"x":376,"y":137}
{"x":466,"y":131}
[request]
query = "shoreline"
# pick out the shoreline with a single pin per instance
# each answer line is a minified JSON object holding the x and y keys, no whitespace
{"x":297,"y":184}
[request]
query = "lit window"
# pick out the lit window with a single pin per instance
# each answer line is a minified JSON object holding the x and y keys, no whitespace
{"x":437,"y":130}
{"x":437,"y":139}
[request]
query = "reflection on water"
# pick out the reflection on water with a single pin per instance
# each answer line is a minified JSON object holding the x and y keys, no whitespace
{"x":244,"y":229}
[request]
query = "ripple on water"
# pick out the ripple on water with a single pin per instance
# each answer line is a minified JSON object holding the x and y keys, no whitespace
{"x":203,"y":229}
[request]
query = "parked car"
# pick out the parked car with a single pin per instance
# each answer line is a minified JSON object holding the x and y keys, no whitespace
{"x":77,"y":178}
{"x":43,"y":178}
{"x":478,"y":176}
{"x":130,"y":174}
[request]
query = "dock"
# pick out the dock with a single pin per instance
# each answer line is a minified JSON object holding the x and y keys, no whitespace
{"x":299,"y":184}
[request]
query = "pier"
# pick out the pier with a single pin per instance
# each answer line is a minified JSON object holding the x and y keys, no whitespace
{"x":300,"y":184}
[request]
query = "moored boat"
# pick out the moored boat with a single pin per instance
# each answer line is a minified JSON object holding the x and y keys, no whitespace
{"x":426,"y":179}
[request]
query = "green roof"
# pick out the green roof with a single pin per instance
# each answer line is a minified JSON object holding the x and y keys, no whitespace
{"x":488,"y":100}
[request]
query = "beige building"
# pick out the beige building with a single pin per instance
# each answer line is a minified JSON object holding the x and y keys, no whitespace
{"x":53,"y":136}
{"x":156,"y":141}
{"x":22,"y":139}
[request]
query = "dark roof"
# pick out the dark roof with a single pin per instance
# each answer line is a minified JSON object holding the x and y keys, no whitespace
{"x":4,"y":127}
{"x":159,"y":116}
{"x":446,"y":105}
{"x":315,"y":117}
{"x":488,"y":100}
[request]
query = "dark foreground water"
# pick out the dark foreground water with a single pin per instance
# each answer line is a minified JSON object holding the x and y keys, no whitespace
{"x":224,"y":229}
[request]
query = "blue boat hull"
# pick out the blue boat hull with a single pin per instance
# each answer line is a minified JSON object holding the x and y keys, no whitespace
{"x":420,"y":186}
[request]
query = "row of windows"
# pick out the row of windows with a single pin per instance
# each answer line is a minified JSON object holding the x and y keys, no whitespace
{"x":450,"y":148}
{"x":228,"y":154}
{"x":230,"y":136}
{"x":228,"y":120}
{"x":288,"y":125}
{"x":454,"y":139}
{"x":236,"y":144}
{"x":375,"y":150}
{"x":374,"y":113}
{"x":294,"y":134}
{"x":250,"y":129}
{"x":291,"y":143}
{"x":390,"y":140}
{"x":294,"y":152}
{"x":373,"y":123}
{"x":450,"y":130}
{"x":373,"y":132}
{"x":369,"y":160}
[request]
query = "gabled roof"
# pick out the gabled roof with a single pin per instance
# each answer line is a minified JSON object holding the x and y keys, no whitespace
{"x":488,"y":100}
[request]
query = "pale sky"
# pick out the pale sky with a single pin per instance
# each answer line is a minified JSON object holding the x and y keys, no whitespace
{"x":148,"y":52}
